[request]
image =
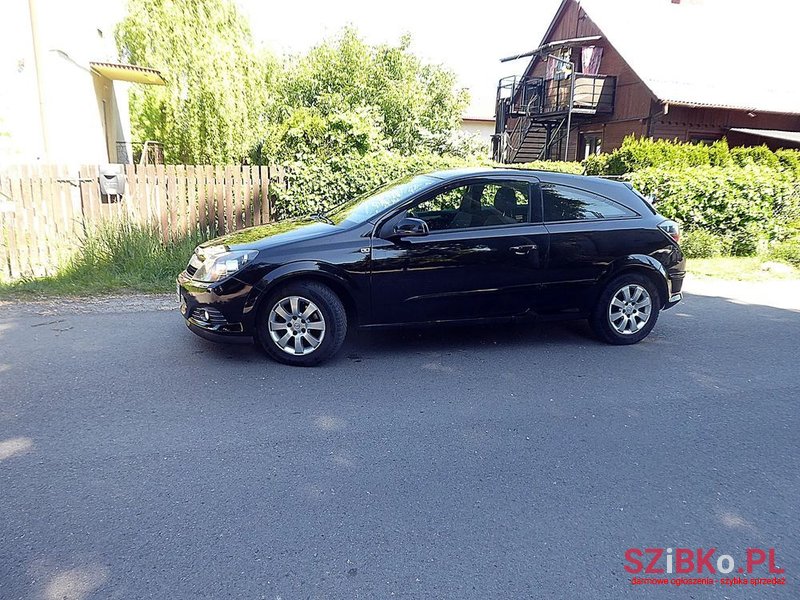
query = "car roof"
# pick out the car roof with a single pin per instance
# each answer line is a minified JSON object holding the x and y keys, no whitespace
{"x":584,"y":181}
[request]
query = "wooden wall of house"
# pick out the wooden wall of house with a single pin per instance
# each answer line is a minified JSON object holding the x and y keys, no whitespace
{"x":685,"y":123}
{"x":633,"y":100}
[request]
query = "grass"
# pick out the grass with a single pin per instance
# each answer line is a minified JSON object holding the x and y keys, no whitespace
{"x":115,"y":257}
{"x":738,"y":268}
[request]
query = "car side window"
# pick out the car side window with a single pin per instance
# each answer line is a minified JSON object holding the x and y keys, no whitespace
{"x":475,"y":205}
{"x":566,"y":203}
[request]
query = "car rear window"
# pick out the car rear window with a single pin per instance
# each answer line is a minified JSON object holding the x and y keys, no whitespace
{"x":566,"y":203}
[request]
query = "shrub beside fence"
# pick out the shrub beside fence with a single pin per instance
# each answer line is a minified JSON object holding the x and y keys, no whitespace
{"x":45,"y":211}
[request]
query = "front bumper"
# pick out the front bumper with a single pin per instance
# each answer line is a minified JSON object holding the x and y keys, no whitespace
{"x":214,"y":312}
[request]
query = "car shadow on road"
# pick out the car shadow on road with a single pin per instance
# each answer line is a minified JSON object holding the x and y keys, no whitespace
{"x":698,"y":320}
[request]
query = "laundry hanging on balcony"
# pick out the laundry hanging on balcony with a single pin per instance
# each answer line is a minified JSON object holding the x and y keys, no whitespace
{"x":590,"y":59}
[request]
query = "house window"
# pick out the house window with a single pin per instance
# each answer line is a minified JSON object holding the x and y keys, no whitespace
{"x":592,"y":144}
{"x":702,"y":139}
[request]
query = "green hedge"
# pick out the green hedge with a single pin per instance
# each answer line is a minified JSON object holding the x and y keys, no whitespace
{"x":703,"y":244}
{"x":787,"y":250}
{"x":728,"y":200}
{"x":317,"y":186}
{"x":744,"y":204}
{"x":640,"y":153}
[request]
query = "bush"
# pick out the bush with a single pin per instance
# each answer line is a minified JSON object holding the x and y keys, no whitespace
{"x":703,"y":244}
{"x":316,"y":186}
{"x":736,"y":202}
{"x":786,"y":251}
{"x":756,"y":155}
{"x":641,"y":153}
{"x":558,"y":166}
{"x":789,"y":160}
{"x":635,"y":154}
{"x":748,"y":240}
{"x":596,"y":164}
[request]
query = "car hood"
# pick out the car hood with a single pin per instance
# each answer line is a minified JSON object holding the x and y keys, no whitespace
{"x":261,"y":237}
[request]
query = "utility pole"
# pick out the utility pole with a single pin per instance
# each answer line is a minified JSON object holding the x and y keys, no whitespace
{"x":37,"y":62}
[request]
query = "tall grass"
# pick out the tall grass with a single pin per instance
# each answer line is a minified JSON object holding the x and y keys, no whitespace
{"x":114,"y":256}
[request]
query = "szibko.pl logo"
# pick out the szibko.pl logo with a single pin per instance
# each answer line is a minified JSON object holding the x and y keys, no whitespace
{"x":704,"y":564}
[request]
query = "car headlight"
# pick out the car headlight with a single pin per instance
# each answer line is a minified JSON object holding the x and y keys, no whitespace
{"x":218,"y":264}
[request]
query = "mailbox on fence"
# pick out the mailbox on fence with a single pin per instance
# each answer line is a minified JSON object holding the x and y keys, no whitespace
{"x":112,"y":182}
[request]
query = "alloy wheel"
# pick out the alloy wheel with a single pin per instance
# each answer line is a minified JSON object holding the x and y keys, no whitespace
{"x":630,"y":309}
{"x":296,"y":325}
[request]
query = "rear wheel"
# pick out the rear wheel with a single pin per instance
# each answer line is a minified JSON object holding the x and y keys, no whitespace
{"x":302,"y":324}
{"x":627,"y":310}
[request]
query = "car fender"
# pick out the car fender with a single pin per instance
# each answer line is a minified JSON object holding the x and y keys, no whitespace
{"x":338,"y":279}
{"x":640,"y":262}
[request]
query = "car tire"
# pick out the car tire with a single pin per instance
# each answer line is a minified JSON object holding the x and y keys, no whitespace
{"x":618,"y":317}
{"x":309,"y":313}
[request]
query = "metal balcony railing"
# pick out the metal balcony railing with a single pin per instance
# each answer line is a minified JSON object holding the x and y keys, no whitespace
{"x":530,"y":96}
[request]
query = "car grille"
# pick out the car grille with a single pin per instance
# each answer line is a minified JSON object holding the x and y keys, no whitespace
{"x":209,"y":316}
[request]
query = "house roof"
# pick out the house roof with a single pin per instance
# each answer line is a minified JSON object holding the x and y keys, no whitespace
{"x":775,"y":134}
{"x":133,"y":73}
{"x":714,"y":53}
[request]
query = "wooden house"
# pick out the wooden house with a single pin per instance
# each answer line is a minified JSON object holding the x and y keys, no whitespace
{"x":691,"y":70}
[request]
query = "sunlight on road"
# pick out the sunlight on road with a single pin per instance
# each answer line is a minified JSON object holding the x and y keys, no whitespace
{"x":329,"y":423}
{"x":783,"y":293}
{"x":15,"y":446}
{"x":76,"y":584}
{"x":734,"y":520}
{"x":5,"y":327}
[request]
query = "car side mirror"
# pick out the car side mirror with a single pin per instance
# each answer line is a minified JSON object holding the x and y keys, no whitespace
{"x":410,"y":226}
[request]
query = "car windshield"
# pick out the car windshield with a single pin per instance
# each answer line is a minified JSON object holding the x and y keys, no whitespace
{"x":370,"y":205}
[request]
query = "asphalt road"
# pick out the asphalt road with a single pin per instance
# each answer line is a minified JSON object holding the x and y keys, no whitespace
{"x":139,"y":461}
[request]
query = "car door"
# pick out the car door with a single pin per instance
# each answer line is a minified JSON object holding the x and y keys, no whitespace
{"x":483,"y":255}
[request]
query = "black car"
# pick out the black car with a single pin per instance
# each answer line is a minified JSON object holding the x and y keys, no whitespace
{"x":451,"y":246}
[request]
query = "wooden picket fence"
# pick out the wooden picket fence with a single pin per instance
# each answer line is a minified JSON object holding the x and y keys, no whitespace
{"x":45,"y":210}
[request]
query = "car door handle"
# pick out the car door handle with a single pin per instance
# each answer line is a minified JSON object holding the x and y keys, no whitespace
{"x":523,"y":249}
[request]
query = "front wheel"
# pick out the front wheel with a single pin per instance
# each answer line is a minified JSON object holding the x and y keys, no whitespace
{"x":626,"y":311}
{"x":302,"y":324}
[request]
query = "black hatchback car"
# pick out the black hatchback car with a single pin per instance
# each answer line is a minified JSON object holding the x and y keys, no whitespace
{"x":451,"y":246}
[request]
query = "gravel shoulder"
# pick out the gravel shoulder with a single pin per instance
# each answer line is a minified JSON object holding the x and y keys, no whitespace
{"x":779,"y":293}
{"x":106,"y":304}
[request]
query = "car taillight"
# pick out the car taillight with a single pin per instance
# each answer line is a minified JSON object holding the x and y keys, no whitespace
{"x":672,"y":229}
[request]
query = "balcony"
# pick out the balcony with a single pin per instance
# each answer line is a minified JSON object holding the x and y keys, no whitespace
{"x":536,"y":96}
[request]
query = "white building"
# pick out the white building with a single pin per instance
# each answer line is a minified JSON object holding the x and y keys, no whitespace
{"x":64,"y":97}
{"x":483,"y":127}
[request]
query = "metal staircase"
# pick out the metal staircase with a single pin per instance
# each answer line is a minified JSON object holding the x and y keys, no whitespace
{"x":535,"y":117}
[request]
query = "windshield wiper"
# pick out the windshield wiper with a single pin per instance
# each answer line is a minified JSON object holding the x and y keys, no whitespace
{"x":322,"y":217}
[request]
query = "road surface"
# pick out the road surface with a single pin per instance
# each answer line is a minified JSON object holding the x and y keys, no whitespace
{"x":139,"y":461}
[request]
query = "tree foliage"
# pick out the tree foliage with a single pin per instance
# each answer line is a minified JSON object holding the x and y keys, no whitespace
{"x":224,"y":101}
{"x":213,"y":108}
{"x":345,"y":95}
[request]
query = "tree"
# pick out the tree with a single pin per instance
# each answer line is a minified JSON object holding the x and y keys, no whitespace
{"x":345,"y":95}
{"x":213,"y":108}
